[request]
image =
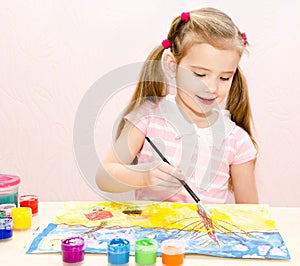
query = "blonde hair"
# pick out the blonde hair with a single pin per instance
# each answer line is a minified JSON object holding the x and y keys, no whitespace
{"x":206,"y":25}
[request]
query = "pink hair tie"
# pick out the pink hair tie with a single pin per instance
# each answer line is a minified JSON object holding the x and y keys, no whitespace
{"x":166,"y":43}
{"x":244,"y":37}
{"x":185,"y":16}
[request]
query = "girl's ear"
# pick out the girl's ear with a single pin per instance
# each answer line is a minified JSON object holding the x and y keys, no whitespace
{"x":169,"y":63}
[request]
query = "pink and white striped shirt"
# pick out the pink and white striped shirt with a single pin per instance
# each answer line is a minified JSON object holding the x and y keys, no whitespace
{"x":203,"y":154}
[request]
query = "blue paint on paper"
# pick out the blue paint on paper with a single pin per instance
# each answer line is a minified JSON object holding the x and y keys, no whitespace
{"x":261,"y":245}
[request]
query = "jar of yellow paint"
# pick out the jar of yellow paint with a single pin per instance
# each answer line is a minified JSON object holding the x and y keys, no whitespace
{"x":21,"y":217}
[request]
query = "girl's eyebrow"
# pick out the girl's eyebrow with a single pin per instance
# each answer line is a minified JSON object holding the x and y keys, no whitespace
{"x":209,"y":70}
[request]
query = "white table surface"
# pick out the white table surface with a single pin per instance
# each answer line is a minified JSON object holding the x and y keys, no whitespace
{"x":12,"y":252}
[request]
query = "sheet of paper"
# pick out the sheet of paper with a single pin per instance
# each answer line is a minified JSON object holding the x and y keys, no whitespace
{"x":240,"y":230}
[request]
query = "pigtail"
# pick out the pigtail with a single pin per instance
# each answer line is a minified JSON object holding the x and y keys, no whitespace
{"x":152,"y":81}
{"x":151,"y":85}
{"x":238,"y":103}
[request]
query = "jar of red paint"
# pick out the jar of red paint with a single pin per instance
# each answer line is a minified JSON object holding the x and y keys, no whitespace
{"x":30,"y":201}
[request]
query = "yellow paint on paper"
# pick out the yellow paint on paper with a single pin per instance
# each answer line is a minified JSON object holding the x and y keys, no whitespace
{"x":233,"y":217}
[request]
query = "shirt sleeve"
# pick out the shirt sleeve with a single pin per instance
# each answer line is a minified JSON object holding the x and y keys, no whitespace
{"x":244,"y":148}
{"x":140,"y":117}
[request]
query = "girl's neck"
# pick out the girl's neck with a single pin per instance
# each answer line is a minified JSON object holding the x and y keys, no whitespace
{"x":201,"y":120}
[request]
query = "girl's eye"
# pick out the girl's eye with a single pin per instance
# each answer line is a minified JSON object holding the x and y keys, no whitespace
{"x":199,"y":75}
{"x":224,"y":79}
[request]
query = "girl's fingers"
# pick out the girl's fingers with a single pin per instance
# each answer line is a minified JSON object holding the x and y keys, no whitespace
{"x":164,"y":174}
{"x":158,"y":176}
{"x":164,"y":180}
{"x":169,"y":169}
{"x":175,"y":172}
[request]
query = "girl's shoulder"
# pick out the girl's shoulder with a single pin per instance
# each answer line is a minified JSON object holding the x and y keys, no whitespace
{"x":239,"y":139}
{"x":147,"y":111}
{"x":144,"y":108}
{"x":157,"y":106}
{"x":238,"y":136}
{"x":231,"y":127}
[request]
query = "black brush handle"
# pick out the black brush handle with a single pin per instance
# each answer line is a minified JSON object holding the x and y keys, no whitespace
{"x":186,"y":186}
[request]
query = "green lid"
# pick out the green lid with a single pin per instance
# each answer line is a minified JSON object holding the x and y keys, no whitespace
{"x":2,"y":213}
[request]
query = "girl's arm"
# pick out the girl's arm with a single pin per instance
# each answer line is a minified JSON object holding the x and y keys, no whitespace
{"x":116,"y":172}
{"x":243,"y":181}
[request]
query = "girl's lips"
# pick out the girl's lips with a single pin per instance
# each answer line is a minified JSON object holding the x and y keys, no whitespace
{"x":206,"y":101}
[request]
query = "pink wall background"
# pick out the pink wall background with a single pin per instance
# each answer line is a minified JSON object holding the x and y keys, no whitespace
{"x":51,"y":52}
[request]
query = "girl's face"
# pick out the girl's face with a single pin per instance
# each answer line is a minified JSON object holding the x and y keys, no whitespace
{"x":204,"y":77}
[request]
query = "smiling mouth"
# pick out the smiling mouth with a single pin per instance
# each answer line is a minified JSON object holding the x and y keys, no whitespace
{"x":206,"y":101}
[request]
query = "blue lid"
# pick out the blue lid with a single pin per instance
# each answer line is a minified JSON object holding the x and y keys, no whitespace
{"x":118,"y":245}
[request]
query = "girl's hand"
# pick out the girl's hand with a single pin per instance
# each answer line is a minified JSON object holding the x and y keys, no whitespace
{"x":163,"y":175}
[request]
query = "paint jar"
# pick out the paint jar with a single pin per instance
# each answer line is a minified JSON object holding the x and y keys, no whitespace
{"x":7,"y":208}
{"x":30,"y":201}
{"x":172,"y":252}
{"x":72,"y":250}
{"x":6,"y":228}
{"x":118,"y":252}
{"x":9,"y":188}
{"x":21,"y":217}
{"x":145,"y":252}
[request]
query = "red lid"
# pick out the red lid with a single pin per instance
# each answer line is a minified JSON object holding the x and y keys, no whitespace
{"x":9,"y":180}
{"x":29,"y":198}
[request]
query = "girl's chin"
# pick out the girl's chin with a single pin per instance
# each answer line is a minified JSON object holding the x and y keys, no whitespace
{"x":202,"y":111}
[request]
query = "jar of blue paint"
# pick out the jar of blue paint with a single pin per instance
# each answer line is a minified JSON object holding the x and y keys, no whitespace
{"x":118,"y":250}
{"x":6,"y":228}
{"x":9,"y":188}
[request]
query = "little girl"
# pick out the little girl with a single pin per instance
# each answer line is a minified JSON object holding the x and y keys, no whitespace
{"x":211,"y":148}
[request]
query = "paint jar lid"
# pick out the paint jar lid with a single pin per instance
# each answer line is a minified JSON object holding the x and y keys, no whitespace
{"x":9,"y":180}
{"x":173,"y":246}
{"x":31,"y":199}
{"x":72,"y":244}
{"x":118,"y":245}
{"x":2,"y":213}
{"x":146,"y":245}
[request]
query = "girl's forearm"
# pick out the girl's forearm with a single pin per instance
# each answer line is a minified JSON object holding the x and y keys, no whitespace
{"x":115,"y":177}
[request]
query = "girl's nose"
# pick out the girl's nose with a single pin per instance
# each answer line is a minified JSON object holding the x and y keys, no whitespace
{"x":212,"y":86}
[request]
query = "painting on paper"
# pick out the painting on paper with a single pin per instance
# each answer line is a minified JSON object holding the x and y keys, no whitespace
{"x":239,"y":231}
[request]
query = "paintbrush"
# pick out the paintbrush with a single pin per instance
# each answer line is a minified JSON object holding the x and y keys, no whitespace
{"x":186,"y":186}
